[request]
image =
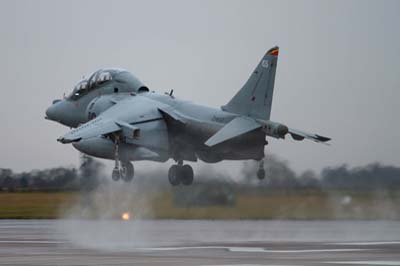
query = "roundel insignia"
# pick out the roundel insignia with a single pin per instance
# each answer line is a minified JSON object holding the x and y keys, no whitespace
{"x":264,"y":63}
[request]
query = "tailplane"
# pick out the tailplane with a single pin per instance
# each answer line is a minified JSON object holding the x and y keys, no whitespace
{"x":255,"y":98}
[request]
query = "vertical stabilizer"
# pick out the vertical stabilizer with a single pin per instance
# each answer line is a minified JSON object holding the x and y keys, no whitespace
{"x":255,"y":98}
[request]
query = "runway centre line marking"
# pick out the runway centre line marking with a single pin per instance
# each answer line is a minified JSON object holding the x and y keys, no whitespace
{"x":378,"y":262}
{"x":297,"y":250}
{"x":366,"y":243}
{"x":249,"y":265}
{"x":254,"y":249}
{"x":31,"y":242}
{"x":178,"y":248}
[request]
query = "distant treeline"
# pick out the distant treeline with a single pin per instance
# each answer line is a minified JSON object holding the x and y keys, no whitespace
{"x":371,"y":176}
{"x":279,"y":176}
{"x":87,"y":176}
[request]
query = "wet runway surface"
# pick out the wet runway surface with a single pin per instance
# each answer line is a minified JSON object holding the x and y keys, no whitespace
{"x":73,"y":242}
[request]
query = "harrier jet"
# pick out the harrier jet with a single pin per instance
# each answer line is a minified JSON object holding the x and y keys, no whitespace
{"x":115,"y":116}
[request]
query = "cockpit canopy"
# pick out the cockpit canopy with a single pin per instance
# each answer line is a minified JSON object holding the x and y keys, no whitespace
{"x":79,"y":89}
{"x":103,"y":76}
{"x":99,"y":77}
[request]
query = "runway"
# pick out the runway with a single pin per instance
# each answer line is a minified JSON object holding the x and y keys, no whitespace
{"x":170,"y":242}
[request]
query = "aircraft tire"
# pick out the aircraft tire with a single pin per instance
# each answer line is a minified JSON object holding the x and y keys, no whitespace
{"x":261,"y":174}
{"x":174,"y":175}
{"x":187,"y":175}
{"x":116,"y":175}
{"x":128,"y":171}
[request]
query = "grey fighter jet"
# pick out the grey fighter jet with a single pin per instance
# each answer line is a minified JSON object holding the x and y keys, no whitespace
{"x":115,"y":116}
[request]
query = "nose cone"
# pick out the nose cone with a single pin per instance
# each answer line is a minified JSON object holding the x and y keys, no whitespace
{"x":52,"y":113}
{"x":65,"y":113}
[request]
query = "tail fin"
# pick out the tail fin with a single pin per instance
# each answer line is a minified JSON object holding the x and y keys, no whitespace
{"x":255,"y":98}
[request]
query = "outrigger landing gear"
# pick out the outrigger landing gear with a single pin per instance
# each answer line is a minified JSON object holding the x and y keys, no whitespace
{"x":261,"y":171}
{"x":122,"y":170}
{"x":180,"y":173}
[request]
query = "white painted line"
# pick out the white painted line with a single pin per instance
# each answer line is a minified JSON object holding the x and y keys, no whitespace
{"x":179,"y":248}
{"x":378,"y":262}
{"x":317,"y":250}
{"x":255,"y":249}
{"x":366,"y":243}
{"x":250,"y":265}
{"x":30,"y":242}
{"x":246,"y":249}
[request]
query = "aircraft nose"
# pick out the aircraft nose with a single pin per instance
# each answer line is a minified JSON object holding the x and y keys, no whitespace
{"x":51,"y":112}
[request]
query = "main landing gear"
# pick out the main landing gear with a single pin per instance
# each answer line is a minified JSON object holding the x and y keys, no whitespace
{"x":180,"y":173}
{"x":122,"y":170}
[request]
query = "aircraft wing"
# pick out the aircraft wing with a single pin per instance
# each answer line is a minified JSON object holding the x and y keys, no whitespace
{"x":238,"y":126}
{"x":300,"y":135}
{"x":170,"y":114}
{"x":96,"y":127}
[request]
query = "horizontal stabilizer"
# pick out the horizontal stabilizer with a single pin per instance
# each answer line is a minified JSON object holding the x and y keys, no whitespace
{"x":300,"y":135}
{"x":238,"y":126}
{"x":93,"y":128}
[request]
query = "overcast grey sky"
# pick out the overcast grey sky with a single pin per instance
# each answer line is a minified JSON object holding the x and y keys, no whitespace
{"x":338,"y":70}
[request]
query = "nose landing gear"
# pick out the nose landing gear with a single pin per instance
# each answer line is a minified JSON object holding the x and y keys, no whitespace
{"x":180,"y":173}
{"x":122,"y":170}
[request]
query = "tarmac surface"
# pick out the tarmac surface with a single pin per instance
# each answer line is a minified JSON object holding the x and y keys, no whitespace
{"x":170,"y":242}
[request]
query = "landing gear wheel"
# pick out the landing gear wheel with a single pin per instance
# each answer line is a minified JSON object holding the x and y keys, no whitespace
{"x":261,"y":171}
{"x":127,"y":171}
{"x":174,"y":175}
{"x":116,"y":175}
{"x":187,"y":175}
{"x":261,"y":174}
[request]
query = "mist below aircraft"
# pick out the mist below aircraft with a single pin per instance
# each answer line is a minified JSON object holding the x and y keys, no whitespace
{"x":115,"y":116}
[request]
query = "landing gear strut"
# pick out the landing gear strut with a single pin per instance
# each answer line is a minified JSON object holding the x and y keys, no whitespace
{"x":180,"y":173}
{"x":122,"y":170}
{"x":261,"y":171}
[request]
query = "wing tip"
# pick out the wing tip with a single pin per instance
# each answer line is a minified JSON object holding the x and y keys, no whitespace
{"x":322,"y":138}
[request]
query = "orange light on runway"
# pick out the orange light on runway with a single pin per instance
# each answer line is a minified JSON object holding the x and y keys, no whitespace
{"x":125,"y":216}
